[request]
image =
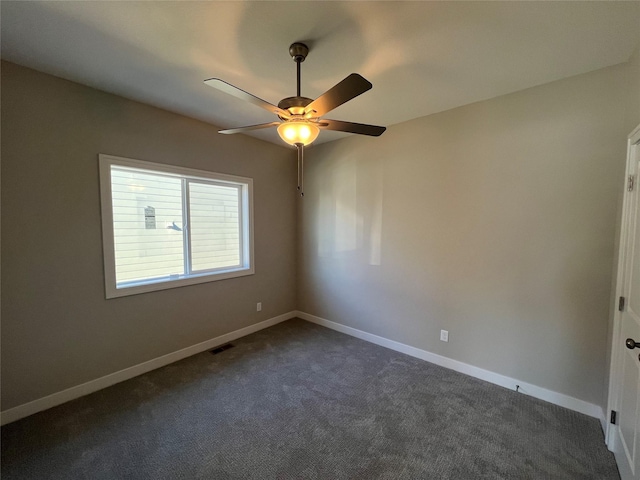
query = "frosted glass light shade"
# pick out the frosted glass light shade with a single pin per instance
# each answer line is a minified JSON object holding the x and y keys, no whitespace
{"x":298,"y":131}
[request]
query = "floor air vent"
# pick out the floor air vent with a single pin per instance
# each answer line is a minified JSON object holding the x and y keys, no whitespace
{"x":221,"y":348}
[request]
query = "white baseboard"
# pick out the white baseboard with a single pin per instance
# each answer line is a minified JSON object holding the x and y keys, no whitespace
{"x":532,"y":390}
{"x":604,"y":425}
{"x":26,"y":409}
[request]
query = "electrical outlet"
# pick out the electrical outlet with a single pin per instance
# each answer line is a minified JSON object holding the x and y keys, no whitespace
{"x":259,"y":307}
{"x":444,"y":335}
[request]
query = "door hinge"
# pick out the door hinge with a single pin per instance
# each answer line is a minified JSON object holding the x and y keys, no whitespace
{"x":621,"y":304}
{"x":631,"y":182}
{"x":614,"y":414}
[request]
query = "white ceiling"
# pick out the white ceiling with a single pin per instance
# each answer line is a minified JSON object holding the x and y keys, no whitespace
{"x":422,"y":57}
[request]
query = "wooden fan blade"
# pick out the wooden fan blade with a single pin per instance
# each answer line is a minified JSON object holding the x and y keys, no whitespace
{"x":242,"y":95}
{"x":249,"y":128}
{"x":349,"y":88}
{"x":359,"y":128}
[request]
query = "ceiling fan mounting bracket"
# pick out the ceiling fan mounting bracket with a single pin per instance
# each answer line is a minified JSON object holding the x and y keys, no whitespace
{"x":298,"y":52}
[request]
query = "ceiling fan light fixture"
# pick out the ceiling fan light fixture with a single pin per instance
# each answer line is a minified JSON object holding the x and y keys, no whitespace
{"x":298,"y":132}
{"x":301,"y":117}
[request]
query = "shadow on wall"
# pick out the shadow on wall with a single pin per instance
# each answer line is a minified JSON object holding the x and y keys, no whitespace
{"x":350,"y":200}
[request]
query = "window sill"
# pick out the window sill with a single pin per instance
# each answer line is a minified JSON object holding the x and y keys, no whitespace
{"x":167,"y":283}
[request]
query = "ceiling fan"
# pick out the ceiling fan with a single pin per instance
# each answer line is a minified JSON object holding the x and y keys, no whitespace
{"x":300,"y":117}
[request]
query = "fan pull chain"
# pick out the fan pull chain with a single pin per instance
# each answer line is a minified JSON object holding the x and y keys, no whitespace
{"x":300,"y":147}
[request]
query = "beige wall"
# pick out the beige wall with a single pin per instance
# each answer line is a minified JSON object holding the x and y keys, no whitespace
{"x":494,"y":221}
{"x":633,"y":102}
{"x":57,"y":328}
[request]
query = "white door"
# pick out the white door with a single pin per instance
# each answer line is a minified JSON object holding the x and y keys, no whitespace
{"x":625,"y":435}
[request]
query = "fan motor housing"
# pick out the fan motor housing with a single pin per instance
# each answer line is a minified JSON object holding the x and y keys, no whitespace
{"x":287,"y":103}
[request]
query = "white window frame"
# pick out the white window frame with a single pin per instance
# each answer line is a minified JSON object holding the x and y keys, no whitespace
{"x":112,"y":290}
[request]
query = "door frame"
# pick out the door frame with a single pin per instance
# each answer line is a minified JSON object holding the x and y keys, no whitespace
{"x":617,"y":347}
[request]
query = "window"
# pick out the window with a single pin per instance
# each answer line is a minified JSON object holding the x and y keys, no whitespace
{"x":166,"y":227}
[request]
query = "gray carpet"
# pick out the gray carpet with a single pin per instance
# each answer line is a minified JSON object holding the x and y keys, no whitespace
{"x":298,"y":401}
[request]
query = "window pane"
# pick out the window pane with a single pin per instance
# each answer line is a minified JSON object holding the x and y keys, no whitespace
{"x":147,"y":225}
{"x":214,"y":226}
